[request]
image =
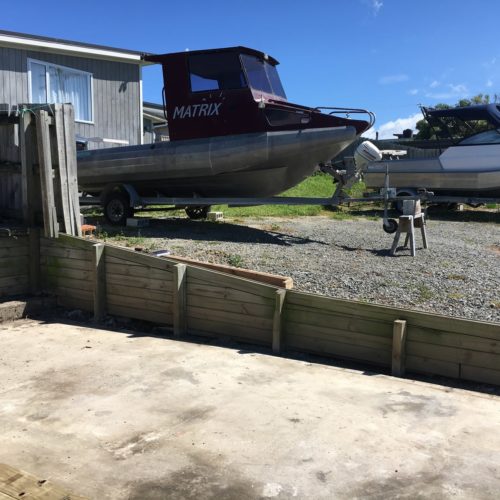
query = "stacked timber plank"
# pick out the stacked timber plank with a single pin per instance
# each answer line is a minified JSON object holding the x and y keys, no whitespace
{"x":43,"y":179}
{"x":58,"y":186}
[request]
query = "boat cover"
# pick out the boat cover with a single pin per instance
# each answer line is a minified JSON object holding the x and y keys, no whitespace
{"x":488,"y":112}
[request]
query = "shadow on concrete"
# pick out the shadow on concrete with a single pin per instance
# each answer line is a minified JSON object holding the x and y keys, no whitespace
{"x":140,"y":329}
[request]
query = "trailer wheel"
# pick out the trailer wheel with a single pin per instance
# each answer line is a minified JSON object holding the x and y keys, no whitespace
{"x":391,"y":226}
{"x":196,"y":213}
{"x":117,"y":209}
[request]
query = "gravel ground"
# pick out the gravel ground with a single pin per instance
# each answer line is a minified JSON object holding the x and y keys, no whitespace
{"x":459,"y":275}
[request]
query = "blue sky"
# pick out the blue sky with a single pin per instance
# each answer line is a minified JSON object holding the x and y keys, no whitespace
{"x":384,"y":55}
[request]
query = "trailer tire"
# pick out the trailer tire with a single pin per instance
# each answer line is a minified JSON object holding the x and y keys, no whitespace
{"x":117,"y":208}
{"x":197,"y":213}
{"x":391,"y":226}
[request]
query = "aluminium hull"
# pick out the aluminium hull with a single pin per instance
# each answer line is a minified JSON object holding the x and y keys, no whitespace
{"x":429,"y":174}
{"x":247,"y":165}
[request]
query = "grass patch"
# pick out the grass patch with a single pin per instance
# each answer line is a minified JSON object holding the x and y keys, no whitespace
{"x":425,"y":292}
{"x":128,"y":240}
{"x":235,"y":260}
{"x":318,"y":185}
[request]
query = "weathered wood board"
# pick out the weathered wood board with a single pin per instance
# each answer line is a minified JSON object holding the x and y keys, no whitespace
{"x":14,"y":266}
{"x":16,"y":484}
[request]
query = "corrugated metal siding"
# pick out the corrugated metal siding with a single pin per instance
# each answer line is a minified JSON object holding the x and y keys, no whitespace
{"x":116,"y":92}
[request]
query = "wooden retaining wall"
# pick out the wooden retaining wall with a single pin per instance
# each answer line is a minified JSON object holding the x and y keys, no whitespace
{"x":14,"y":265}
{"x":108,"y":279}
{"x":11,"y":196}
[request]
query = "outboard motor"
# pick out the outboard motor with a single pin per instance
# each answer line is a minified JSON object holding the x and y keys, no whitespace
{"x":365,"y":153}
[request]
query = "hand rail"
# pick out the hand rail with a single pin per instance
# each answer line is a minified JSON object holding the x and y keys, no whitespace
{"x":348,"y":111}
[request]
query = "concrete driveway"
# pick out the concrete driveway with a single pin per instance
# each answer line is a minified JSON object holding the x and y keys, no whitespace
{"x":114,"y":415}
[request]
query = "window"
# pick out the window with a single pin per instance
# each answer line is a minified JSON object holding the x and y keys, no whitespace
{"x":486,"y":137}
{"x":52,"y":83}
{"x":263,"y":76}
{"x":217,"y":71}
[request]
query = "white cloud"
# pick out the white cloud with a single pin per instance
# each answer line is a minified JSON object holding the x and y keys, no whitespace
{"x":388,"y":129}
{"x":490,"y":63}
{"x":458,"y":90}
{"x":489,"y":83}
{"x":413,"y":91}
{"x":388,"y":79}
{"x":434,"y":84}
{"x":376,"y":6}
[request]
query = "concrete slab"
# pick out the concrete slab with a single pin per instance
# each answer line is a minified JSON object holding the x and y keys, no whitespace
{"x":113,"y":415}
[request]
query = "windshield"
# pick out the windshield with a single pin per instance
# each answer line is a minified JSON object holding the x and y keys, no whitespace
{"x":262,"y":76}
{"x":487,"y":137}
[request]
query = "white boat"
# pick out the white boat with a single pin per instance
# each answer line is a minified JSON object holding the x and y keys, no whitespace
{"x":470,"y":167}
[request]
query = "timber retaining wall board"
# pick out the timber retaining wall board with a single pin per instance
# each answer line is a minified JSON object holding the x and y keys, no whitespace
{"x":65,"y":265}
{"x":229,"y":306}
{"x":210,"y":303}
{"x":138,"y":286}
{"x":14,"y":265}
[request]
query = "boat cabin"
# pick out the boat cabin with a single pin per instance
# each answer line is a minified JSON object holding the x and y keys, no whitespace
{"x":231,"y":91}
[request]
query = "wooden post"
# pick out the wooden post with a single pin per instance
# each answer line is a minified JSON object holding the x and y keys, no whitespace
{"x":70,"y":145}
{"x":398,"y":348}
{"x":34,"y":265}
{"x":277,"y":320}
{"x":180,"y":319}
{"x":62,"y":177}
{"x":51,"y":229}
{"x":99,"y":281}
{"x":26,"y":168}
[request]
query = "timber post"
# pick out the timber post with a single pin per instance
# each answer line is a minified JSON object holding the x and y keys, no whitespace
{"x":179,"y":300}
{"x":399,"y":348}
{"x":99,"y":281}
{"x":278,"y":321}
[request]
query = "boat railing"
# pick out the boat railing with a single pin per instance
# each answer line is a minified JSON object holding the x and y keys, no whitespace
{"x":347,"y":112}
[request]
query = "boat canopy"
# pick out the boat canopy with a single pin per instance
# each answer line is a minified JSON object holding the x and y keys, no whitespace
{"x":233,"y":91}
{"x":487,"y":112}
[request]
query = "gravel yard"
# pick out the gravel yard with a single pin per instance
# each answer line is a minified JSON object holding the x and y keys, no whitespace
{"x":458,"y":275}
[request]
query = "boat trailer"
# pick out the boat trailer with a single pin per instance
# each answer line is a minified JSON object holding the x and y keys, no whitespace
{"x":198,"y":207}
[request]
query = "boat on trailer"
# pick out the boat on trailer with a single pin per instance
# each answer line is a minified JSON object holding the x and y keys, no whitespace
{"x":469,"y":167}
{"x":233,"y":133}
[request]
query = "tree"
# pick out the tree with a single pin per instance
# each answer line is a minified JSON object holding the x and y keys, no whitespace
{"x":455,"y":127}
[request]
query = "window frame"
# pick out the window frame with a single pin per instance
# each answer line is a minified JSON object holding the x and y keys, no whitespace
{"x":242,"y":73}
{"x":47,"y":84}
